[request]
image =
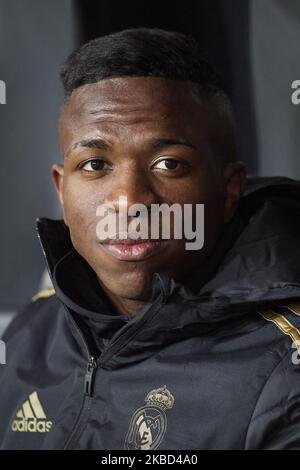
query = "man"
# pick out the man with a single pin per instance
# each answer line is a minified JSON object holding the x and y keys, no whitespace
{"x":144,"y":344}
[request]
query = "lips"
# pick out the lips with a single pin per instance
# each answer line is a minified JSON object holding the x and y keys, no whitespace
{"x":133,"y":250}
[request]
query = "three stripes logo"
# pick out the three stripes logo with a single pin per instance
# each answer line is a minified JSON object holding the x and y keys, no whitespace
{"x":31,"y":417}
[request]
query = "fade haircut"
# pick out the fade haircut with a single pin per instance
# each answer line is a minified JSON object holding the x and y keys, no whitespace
{"x":151,"y":52}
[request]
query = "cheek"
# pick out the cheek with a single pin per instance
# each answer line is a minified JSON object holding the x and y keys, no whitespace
{"x":80,"y":205}
{"x":210,"y":192}
{"x":202,"y":188}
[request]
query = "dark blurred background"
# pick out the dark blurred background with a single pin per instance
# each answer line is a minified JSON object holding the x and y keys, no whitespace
{"x":255,"y":45}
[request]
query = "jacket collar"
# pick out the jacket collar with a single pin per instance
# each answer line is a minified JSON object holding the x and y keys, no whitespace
{"x":255,"y":261}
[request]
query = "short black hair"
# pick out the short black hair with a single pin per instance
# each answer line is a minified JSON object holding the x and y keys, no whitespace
{"x":141,"y":52}
{"x":153,"y":52}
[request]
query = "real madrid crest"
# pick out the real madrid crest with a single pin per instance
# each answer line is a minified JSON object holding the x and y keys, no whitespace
{"x":149,"y":423}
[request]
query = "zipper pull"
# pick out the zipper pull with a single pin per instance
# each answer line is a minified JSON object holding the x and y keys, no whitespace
{"x":89,"y":376}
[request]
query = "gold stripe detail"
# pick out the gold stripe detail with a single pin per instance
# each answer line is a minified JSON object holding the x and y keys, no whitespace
{"x":36,"y":405}
{"x":42,"y":294}
{"x":293,"y":307}
{"x":284,"y":325}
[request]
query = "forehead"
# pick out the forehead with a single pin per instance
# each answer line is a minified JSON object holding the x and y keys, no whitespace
{"x":132,"y":107}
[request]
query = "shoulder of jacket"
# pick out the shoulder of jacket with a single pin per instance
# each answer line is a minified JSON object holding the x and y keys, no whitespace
{"x":43,"y":306}
{"x":42,"y":294}
{"x":285,"y":316}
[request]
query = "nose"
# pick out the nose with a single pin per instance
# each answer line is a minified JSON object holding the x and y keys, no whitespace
{"x":135,"y":185}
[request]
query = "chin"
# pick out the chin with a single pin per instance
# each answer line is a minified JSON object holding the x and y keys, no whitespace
{"x":133,"y":286}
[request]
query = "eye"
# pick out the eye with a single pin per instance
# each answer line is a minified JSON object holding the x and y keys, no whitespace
{"x":95,"y":165}
{"x":167,"y":164}
{"x":171,"y":165}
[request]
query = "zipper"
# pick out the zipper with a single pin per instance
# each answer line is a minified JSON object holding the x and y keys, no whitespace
{"x":83,"y":415}
{"x":88,"y":392}
{"x":92,"y":366}
{"x":89,"y":376}
{"x":98,"y":361}
{"x":121,"y":337}
{"x":90,"y":371}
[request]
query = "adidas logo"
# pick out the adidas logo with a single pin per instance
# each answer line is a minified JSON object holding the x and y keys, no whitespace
{"x":31,"y":417}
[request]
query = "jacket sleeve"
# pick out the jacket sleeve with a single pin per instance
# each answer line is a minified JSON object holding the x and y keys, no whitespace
{"x":275,"y":421}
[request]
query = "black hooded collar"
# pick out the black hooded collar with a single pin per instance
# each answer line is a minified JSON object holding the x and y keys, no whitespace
{"x":256,"y":260}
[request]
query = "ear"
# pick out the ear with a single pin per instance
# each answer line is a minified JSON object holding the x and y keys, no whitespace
{"x":235,"y":180}
{"x":58,"y":179}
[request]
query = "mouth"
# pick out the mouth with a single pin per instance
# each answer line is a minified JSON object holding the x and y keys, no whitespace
{"x":133,"y":250}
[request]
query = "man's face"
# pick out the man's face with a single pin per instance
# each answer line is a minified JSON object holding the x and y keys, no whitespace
{"x":154,"y":141}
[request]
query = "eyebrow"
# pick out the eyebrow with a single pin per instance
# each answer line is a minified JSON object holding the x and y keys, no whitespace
{"x":165,"y":142}
{"x":96,"y":143}
{"x":101,"y":144}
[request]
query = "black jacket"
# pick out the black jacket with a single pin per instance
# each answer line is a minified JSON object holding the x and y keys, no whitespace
{"x":210,"y":364}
